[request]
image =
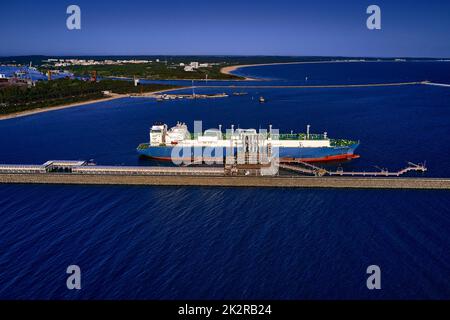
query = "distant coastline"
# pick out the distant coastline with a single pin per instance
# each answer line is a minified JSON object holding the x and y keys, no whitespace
{"x":224,"y":70}
{"x":230,"y":69}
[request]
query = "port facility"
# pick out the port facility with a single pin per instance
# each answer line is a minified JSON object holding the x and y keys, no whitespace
{"x":84,"y":173}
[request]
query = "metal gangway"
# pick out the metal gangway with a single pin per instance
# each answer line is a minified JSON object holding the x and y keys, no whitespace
{"x":310,"y":169}
{"x":383,"y":172}
{"x":305,"y":168}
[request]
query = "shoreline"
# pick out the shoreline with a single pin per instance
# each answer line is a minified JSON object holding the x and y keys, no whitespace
{"x":114,"y":96}
{"x":225,"y":70}
{"x":58,"y":107}
{"x":228,"y":70}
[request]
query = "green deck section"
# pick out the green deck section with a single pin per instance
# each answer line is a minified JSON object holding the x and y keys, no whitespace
{"x":298,"y":136}
{"x":342,"y":142}
{"x":143,"y":146}
{"x":303,"y":136}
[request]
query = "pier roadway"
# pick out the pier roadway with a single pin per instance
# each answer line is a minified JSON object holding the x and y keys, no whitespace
{"x":226,"y":181}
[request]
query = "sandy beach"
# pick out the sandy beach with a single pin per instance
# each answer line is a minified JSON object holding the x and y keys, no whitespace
{"x":228,"y":70}
{"x":65,"y":106}
{"x":113,"y":96}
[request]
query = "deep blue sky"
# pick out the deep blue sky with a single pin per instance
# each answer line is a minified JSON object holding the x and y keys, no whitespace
{"x":239,"y":27}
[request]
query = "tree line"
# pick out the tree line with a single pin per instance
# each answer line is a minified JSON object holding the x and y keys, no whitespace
{"x":64,"y":91}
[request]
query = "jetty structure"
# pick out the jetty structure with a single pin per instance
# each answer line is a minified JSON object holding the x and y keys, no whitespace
{"x":242,"y":175}
{"x":162,"y":97}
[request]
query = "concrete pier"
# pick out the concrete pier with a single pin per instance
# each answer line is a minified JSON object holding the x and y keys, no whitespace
{"x":85,"y":173}
{"x":227,"y":181}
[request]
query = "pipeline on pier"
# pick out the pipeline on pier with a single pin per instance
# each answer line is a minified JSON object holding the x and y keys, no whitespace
{"x":310,"y":169}
{"x":84,"y":173}
{"x":300,"y":167}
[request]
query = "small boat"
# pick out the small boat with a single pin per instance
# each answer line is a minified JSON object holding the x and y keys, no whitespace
{"x":262,"y":99}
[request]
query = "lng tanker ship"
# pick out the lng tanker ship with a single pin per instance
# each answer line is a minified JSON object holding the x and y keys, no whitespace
{"x":289,"y":147}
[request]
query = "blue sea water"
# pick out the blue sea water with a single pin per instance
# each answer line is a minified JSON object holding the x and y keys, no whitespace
{"x":215,"y":243}
{"x":352,"y":72}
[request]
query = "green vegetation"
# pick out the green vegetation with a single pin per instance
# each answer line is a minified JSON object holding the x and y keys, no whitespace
{"x":65,"y":91}
{"x":153,"y":70}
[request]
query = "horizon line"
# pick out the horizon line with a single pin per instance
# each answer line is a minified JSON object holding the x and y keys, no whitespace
{"x":219,"y":55}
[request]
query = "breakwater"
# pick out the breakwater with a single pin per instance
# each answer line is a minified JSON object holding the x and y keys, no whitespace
{"x":324,"y":86}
